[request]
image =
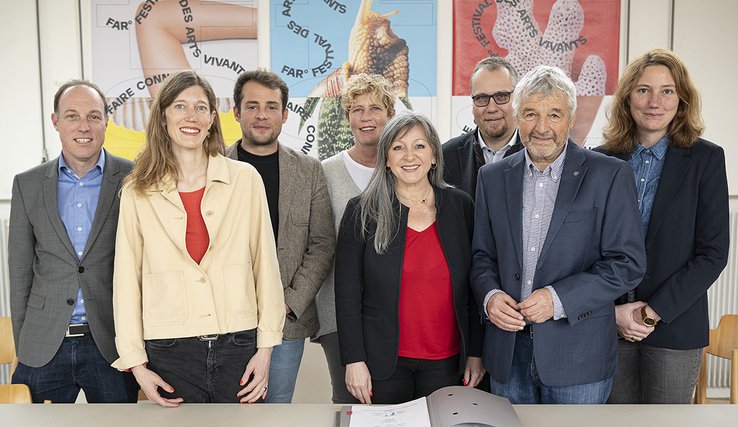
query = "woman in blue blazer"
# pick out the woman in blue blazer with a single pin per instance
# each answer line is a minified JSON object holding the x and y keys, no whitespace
{"x":682,"y":194}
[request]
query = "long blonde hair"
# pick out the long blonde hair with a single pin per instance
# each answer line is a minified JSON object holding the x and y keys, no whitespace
{"x":156,"y":163}
{"x":685,"y":127}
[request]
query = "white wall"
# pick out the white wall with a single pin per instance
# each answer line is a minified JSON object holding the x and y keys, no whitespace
{"x":21,"y":119}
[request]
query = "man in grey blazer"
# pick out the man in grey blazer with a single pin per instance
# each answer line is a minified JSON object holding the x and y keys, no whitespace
{"x":63,"y":221}
{"x":557,"y":236}
{"x":300,"y":210}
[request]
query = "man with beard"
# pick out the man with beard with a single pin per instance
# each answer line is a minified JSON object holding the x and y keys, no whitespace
{"x":557,"y":237}
{"x":300,"y":211}
{"x":491,"y":85}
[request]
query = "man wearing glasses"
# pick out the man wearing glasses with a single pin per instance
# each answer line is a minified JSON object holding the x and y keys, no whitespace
{"x":491,"y":85}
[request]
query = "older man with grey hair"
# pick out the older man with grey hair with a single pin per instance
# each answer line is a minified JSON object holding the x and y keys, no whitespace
{"x":567,"y":222}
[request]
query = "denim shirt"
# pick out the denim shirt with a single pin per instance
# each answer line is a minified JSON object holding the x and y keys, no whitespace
{"x":647,"y":164}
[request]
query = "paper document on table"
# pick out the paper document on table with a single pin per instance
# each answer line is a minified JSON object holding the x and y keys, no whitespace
{"x":410,"y":414}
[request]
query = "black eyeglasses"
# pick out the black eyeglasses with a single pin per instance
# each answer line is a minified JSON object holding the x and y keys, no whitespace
{"x":482,"y":99}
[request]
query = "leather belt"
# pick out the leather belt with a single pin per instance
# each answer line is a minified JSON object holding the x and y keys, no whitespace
{"x":211,"y":337}
{"x":77,"y":330}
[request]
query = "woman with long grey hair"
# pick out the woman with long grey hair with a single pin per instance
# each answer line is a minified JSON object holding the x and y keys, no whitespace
{"x":406,"y":324}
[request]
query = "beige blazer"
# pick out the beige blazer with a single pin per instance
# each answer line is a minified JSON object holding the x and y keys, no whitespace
{"x":160,"y":292}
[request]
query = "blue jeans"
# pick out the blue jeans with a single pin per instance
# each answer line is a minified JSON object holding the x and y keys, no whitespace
{"x":283,"y":369}
{"x":77,"y":365}
{"x":523,"y":385}
{"x":202,"y":371}
{"x":648,"y":374}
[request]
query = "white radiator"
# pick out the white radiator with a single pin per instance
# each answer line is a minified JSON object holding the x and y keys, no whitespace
{"x":723,"y":299}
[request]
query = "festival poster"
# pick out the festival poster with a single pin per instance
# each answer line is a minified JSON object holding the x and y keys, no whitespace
{"x":137,"y":43}
{"x":580,"y":37}
{"x":317,"y":44}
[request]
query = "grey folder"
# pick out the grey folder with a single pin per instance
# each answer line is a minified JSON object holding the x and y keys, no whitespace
{"x":457,"y":406}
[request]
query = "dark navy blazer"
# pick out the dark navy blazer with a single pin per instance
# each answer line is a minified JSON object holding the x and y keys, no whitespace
{"x":687,"y":244}
{"x":593,"y":253}
{"x":462,"y":158}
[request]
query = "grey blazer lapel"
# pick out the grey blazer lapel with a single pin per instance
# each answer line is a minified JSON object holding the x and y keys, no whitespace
{"x":108,"y":193}
{"x":51,"y":201}
{"x":232,"y":150}
{"x":570,"y":181}
{"x":513,"y":193}
{"x":287,"y":188}
{"x":677,"y":162}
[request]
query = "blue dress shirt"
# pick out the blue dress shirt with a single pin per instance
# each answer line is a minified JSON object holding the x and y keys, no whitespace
{"x":77,"y":205}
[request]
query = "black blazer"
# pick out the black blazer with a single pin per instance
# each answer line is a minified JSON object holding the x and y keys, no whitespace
{"x":686,"y":244}
{"x":462,"y":158}
{"x":368,"y":284}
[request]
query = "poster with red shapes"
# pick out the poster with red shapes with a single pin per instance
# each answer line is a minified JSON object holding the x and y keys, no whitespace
{"x":582,"y":37}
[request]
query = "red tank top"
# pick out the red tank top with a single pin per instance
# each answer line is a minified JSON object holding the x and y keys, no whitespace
{"x":196,"y":238}
{"x":428,"y":328}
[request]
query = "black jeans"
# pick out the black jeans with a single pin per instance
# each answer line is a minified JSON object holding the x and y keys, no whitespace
{"x":415,"y":378}
{"x":329,"y":342}
{"x":202,"y":371}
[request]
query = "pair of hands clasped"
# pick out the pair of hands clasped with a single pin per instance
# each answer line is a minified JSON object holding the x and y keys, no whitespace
{"x":509,"y":315}
{"x":252,"y":390}
{"x":630,"y":321}
{"x":359,"y":380}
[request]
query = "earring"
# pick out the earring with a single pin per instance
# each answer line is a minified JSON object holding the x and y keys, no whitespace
{"x":433,"y":166}
{"x":387,"y":169}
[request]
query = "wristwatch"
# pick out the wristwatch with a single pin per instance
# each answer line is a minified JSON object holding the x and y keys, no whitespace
{"x":647,"y":320}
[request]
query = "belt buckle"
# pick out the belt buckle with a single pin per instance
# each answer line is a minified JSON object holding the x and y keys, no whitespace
{"x":69,"y":331}
{"x":211,"y":337}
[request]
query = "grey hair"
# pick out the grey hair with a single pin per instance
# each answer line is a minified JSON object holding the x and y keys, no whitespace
{"x":494,"y":63}
{"x":545,"y":80}
{"x":377,"y":201}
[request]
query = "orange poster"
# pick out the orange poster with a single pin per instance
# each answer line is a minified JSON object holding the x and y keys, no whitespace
{"x":581,"y":37}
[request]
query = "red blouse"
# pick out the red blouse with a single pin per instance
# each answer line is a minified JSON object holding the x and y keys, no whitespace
{"x":196,"y":237}
{"x":428,"y":327}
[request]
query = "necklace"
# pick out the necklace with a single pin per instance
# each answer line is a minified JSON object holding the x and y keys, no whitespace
{"x":423,"y":200}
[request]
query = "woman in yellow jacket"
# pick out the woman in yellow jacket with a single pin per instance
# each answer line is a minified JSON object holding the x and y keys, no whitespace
{"x":198,"y":301}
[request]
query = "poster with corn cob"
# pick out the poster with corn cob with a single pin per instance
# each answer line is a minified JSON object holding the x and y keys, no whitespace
{"x":136,"y":44}
{"x":316,"y":45}
{"x":580,"y":37}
